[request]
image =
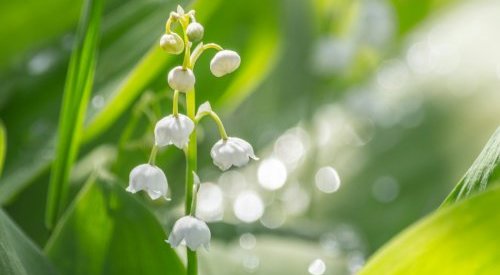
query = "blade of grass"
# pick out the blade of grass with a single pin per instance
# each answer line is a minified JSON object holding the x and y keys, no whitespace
{"x":79,"y":82}
{"x":3,"y":145}
{"x":484,"y":172}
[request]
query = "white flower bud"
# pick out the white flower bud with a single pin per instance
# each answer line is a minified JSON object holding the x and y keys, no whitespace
{"x":195,"y":31}
{"x":173,"y":130}
{"x":224,"y":62}
{"x":172,"y":43}
{"x":193,"y":231}
{"x":233,"y":151}
{"x":149,"y":178}
{"x":181,"y":79}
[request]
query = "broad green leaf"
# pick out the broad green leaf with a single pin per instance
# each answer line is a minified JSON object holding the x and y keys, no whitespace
{"x":484,"y":172}
{"x":18,"y":254}
{"x":78,"y":88}
{"x":107,"y":231}
{"x":3,"y":145}
{"x":460,"y":239}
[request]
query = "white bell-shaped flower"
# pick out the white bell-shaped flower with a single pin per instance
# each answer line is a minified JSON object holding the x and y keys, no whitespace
{"x":233,"y":151}
{"x":224,"y":62}
{"x":149,"y":178}
{"x":193,"y":231}
{"x":195,"y":31}
{"x":172,"y":43}
{"x":173,"y":129}
{"x":181,"y":79}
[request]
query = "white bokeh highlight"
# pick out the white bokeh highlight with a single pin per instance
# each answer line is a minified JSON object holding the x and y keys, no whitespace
{"x":327,"y":180}
{"x":248,"y":206}
{"x":272,"y":174}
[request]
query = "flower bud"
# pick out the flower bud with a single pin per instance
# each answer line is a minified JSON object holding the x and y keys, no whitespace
{"x":193,"y":231}
{"x":172,"y":43}
{"x":149,"y":178}
{"x":181,"y":79}
{"x":233,"y":151}
{"x":173,"y":130}
{"x":224,"y":62}
{"x":195,"y":31}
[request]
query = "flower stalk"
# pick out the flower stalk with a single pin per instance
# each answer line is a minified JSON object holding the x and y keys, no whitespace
{"x":180,"y":130}
{"x":191,"y":166}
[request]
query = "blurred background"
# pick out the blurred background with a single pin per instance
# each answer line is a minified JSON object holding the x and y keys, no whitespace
{"x":364,"y":113}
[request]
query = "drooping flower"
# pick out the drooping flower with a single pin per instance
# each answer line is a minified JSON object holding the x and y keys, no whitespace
{"x":173,"y":129}
{"x":195,"y":31}
{"x":149,"y":178}
{"x":172,"y":43}
{"x":224,"y":62}
{"x":232,"y":151}
{"x":192,"y":230}
{"x":181,"y":79}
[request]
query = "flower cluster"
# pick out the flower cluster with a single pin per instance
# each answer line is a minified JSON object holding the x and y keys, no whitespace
{"x":180,"y":130}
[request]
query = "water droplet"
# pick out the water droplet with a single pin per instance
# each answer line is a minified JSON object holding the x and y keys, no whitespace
{"x":98,"y":102}
{"x":251,"y":263}
{"x":272,"y":174}
{"x":419,"y":58}
{"x":41,"y":62}
{"x":327,"y":180}
{"x":385,"y":189}
{"x":232,"y":182}
{"x":392,"y":75}
{"x":355,"y":262}
{"x":248,"y":241}
{"x":291,"y":146}
{"x":317,"y":267}
{"x":248,"y":206}
{"x":332,"y":55}
{"x":376,"y":23}
{"x":330,"y":244}
{"x":273,"y":218}
{"x":295,"y":199}
{"x":209,"y":206}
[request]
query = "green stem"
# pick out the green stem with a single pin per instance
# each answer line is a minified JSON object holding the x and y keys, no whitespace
{"x":191,"y":163}
{"x":199,"y":50}
{"x":218,"y":121}
{"x":195,"y":199}
{"x":187,"y":52}
{"x":175,"y":103}
{"x":152,"y":156}
{"x":191,"y":150}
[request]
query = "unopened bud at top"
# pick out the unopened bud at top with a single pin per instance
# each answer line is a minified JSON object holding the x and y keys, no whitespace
{"x":172,"y":43}
{"x":181,"y":79}
{"x":224,"y":62}
{"x":195,"y":31}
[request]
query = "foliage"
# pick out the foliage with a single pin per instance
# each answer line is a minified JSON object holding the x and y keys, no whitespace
{"x":275,"y":92}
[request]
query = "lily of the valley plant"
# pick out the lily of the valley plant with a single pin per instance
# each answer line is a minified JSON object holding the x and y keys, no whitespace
{"x":180,"y":130}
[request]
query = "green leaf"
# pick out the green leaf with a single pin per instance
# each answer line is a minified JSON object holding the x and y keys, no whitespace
{"x":3,"y":145}
{"x":79,"y":82}
{"x":484,"y":172}
{"x":18,"y":254}
{"x":460,"y":239}
{"x":107,"y":231}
